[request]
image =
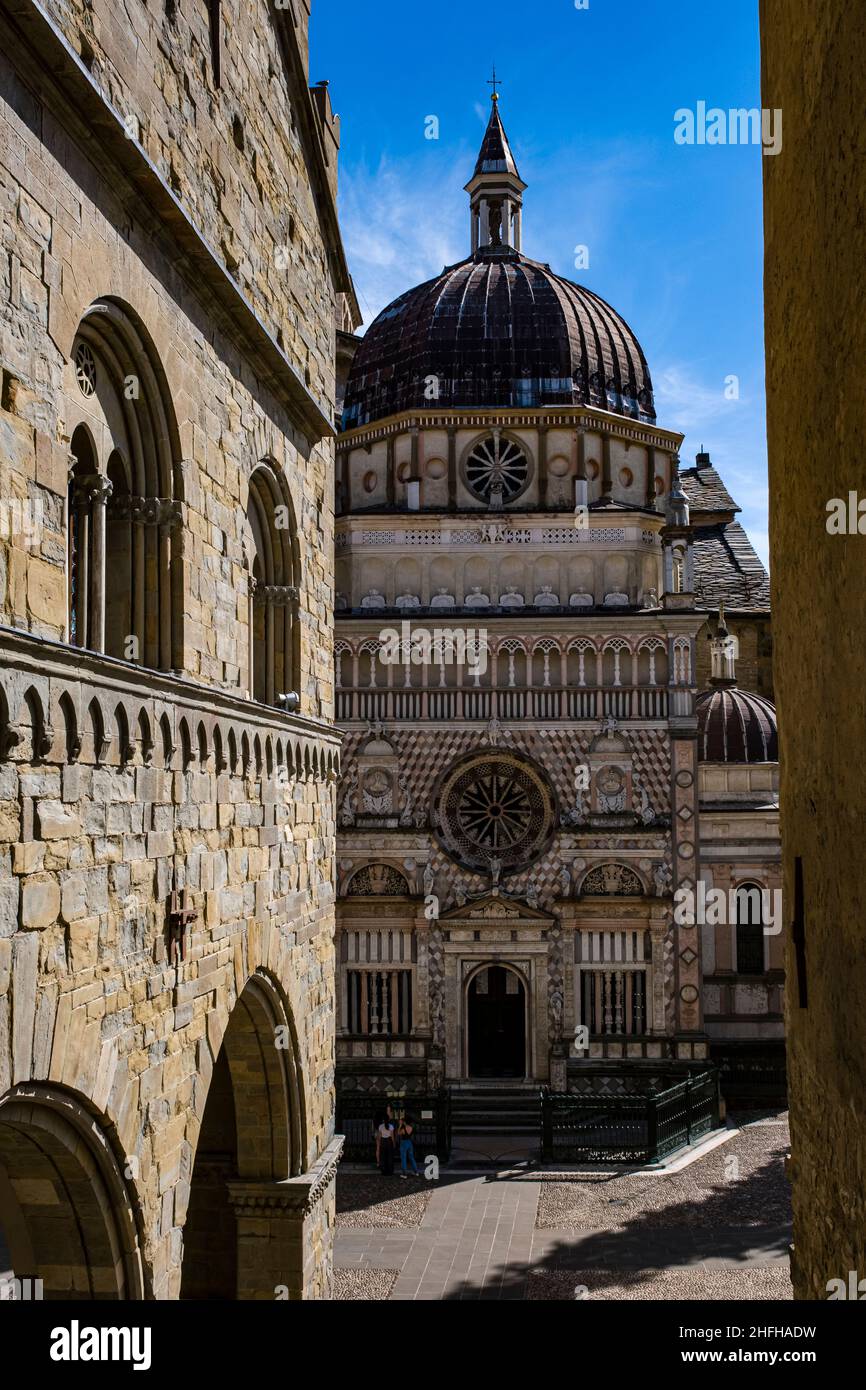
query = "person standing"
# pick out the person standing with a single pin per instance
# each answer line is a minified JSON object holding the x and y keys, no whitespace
{"x":385,"y":1144}
{"x":407,"y":1146}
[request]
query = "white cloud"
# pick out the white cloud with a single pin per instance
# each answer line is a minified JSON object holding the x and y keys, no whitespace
{"x":401,"y":225}
{"x":732,"y":432}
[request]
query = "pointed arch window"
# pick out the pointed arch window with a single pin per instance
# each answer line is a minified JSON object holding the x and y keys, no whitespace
{"x":272,"y":557}
{"x":124,"y":580}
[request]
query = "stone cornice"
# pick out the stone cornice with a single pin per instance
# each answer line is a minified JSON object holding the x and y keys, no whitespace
{"x":98,"y":127}
{"x":295,"y":1197}
{"x":541,"y":417}
{"x":41,"y":658}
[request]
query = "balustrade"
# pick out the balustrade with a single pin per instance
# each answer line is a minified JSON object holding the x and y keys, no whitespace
{"x":470,"y":702}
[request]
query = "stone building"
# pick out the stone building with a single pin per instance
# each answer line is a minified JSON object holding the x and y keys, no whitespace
{"x":528,"y":591}
{"x":172,"y":283}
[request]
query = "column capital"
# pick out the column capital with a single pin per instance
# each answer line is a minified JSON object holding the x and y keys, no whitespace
{"x":95,"y":487}
{"x":280,"y":595}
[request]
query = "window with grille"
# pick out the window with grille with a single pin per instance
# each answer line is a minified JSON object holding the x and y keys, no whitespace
{"x":614,"y":1001}
{"x":379,"y":1001}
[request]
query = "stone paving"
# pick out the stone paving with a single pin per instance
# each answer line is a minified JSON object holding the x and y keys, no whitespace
{"x":719,"y":1228}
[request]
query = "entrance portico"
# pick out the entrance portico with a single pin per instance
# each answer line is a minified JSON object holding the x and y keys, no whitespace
{"x":496,"y":990}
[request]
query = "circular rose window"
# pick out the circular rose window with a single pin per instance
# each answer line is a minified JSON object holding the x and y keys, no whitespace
{"x":497,"y":469}
{"x":494,"y":808}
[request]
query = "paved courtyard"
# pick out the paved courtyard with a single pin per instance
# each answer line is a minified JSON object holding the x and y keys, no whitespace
{"x":718,"y":1228}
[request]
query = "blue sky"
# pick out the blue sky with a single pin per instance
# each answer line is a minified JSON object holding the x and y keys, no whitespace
{"x":674,"y":232}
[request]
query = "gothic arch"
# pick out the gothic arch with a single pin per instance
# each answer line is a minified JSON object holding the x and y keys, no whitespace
{"x":272,"y":559}
{"x":167,"y":741}
{"x":124,"y":548}
{"x":141,"y":750}
{"x":68,"y":1213}
{"x":72,"y":741}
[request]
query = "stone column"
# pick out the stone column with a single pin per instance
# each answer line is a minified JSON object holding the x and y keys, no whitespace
{"x":99,"y":491}
{"x":82,"y":562}
{"x":169,"y":520}
{"x":269,"y":648}
{"x":139,"y":553}
{"x":484,"y":238}
{"x":285,"y":1233}
{"x":252,"y":583}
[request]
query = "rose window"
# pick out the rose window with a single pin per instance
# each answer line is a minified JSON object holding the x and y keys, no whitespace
{"x":494,"y":809}
{"x":497,"y":469}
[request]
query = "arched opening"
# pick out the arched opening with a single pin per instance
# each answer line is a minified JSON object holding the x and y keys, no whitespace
{"x":252,"y":1129}
{"x":65,"y":1213}
{"x":79,"y":539}
{"x":124,"y":540}
{"x":272,"y":556}
{"x":119,"y":564}
{"x":496,"y":1023}
{"x":750,"y":929}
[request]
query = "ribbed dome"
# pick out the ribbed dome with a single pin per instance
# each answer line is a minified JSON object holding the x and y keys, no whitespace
{"x":497,"y":330}
{"x":735,"y":726}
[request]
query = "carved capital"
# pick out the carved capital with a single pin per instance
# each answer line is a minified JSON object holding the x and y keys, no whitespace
{"x":279,"y":595}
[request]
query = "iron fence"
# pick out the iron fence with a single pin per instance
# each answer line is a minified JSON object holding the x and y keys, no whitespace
{"x":358,"y":1116}
{"x":628,"y":1128}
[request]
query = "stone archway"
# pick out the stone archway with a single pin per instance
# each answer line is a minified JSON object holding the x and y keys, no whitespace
{"x":66,"y":1214}
{"x":251,"y":1144}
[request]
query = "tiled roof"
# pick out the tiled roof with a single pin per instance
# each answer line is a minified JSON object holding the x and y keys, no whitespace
{"x":735,"y":726}
{"x":498,"y":330}
{"x":706,"y":491}
{"x":495,"y":156}
{"x":727,"y":568}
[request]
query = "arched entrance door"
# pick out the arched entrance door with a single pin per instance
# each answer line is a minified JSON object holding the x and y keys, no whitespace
{"x":496,"y":1023}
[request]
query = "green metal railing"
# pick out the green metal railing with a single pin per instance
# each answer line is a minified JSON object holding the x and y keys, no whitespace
{"x":593,"y":1128}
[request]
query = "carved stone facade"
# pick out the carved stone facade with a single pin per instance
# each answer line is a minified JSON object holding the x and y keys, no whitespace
{"x":522,"y":595}
{"x":168,"y":759}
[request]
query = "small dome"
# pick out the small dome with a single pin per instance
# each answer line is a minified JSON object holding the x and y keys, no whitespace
{"x":735,"y":726}
{"x":498,"y":330}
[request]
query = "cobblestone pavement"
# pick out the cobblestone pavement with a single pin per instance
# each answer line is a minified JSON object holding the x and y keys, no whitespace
{"x":364,"y":1285}
{"x":371,"y":1200}
{"x":719,"y":1228}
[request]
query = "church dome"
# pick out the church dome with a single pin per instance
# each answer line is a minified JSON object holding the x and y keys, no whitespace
{"x":735,"y":726}
{"x":498,"y":330}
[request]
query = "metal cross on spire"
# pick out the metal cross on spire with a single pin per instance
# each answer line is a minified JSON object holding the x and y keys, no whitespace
{"x":494,"y":82}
